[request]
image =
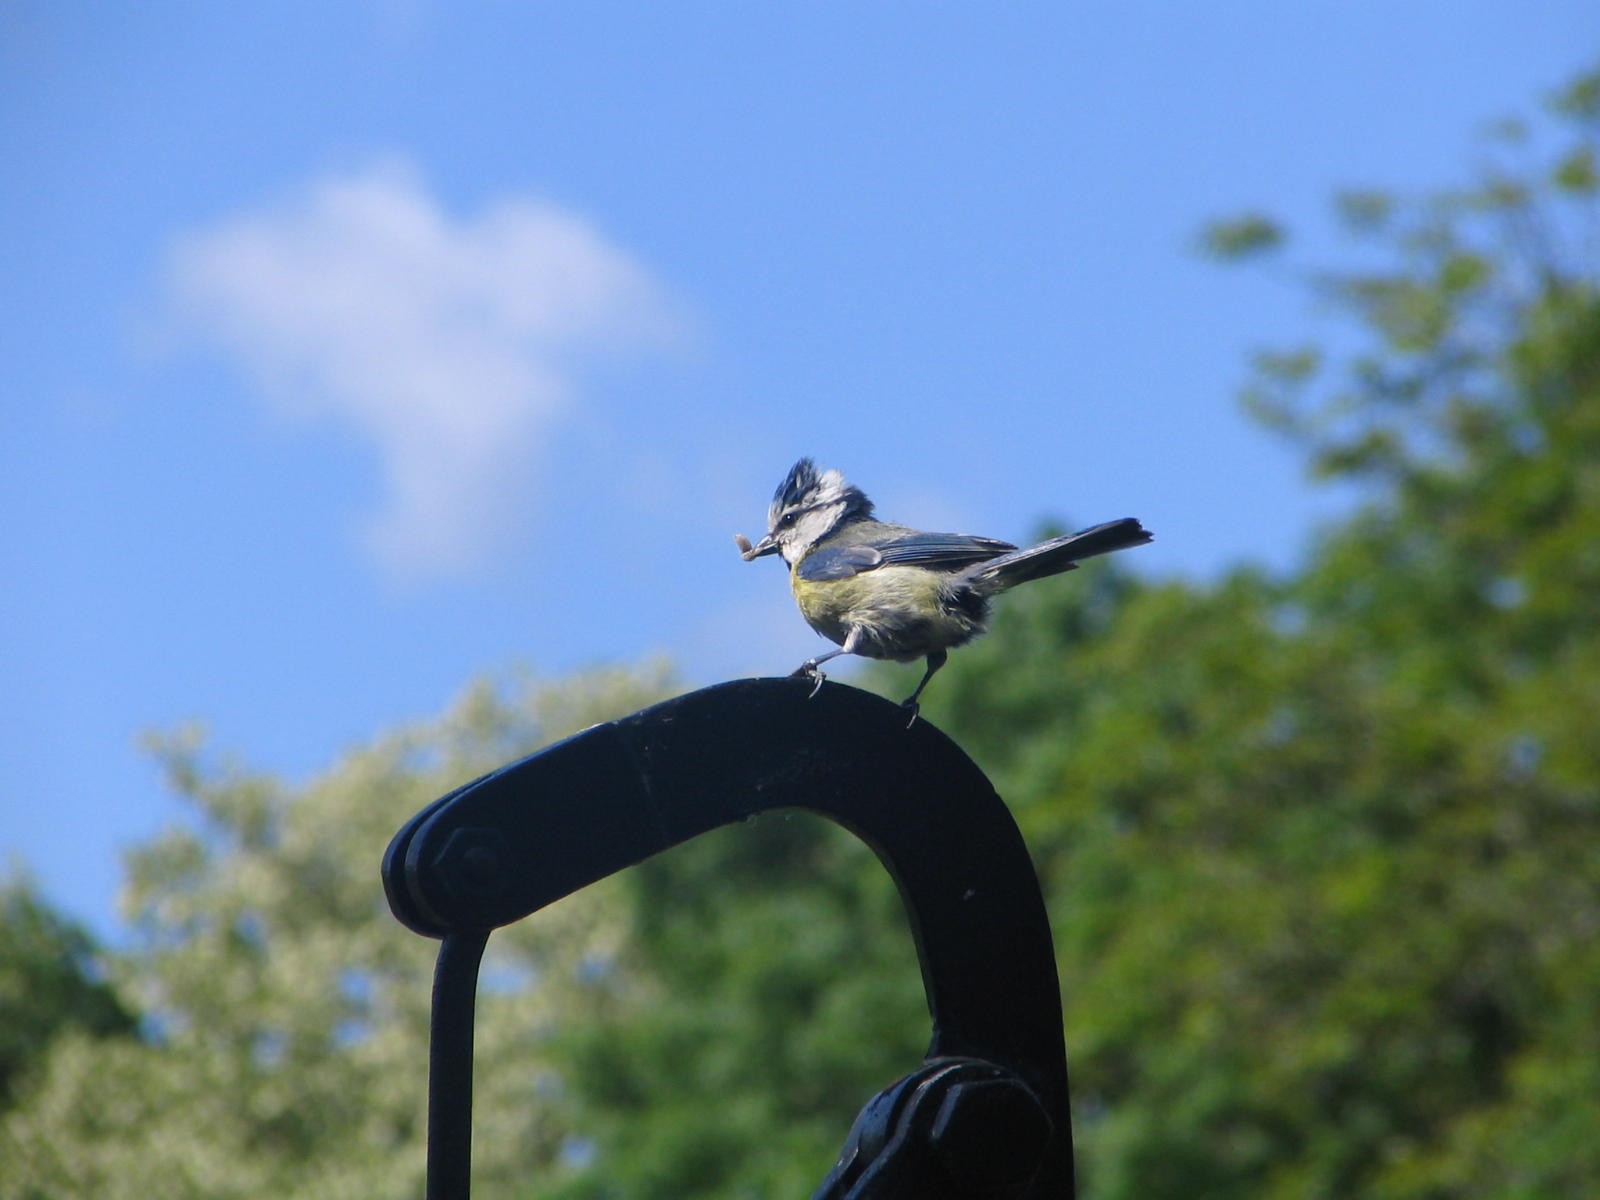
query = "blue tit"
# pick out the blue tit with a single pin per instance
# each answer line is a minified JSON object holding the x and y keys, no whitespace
{"x":890,"y":591}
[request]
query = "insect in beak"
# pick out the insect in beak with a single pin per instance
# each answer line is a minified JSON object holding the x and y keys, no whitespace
{"x":750,"y":553}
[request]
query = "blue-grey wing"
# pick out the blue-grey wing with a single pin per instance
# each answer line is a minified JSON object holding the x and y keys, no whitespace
{"x":941,"y":551}
{"x":837,"y":562}
{"x":935,"y":551}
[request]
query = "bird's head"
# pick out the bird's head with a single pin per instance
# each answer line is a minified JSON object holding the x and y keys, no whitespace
{"x":807,"y":507}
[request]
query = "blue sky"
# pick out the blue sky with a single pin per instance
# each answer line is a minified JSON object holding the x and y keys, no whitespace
{"x":354,"y":349}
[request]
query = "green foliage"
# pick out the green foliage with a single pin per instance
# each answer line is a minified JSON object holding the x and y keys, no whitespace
{"x":782,"y":992}
{"x":1363,"y":211}
{"x":1478,"y":278}
{"x":287,"y":1010}
{"x":1579,"y":102}
{"x":1318,"y":849}
{"x":1241,"y":237}
{"x":50,"y":984}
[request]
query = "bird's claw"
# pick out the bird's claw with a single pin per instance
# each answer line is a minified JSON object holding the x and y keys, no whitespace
{"x":810,"y":670}
{"x":915,"y":709}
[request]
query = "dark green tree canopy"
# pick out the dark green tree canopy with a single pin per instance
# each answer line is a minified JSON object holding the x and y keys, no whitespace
{"x":50,"y":983}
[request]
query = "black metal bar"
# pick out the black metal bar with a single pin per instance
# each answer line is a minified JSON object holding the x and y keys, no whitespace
{"x":519,"y":838}
{"x":455,"y":990}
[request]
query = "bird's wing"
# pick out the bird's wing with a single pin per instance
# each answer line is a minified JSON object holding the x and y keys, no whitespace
{"x":949,"y":551}
{"x":837,"y":562}
{"x":935,"y":551}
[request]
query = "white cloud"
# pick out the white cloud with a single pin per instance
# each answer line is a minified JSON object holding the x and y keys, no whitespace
{"x":452,"y":345}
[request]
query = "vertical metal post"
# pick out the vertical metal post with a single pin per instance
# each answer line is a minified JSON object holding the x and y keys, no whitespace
{"x":455,"y":989}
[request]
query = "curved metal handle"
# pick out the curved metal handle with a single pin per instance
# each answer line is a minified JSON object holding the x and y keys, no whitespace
{"x":541,"y":828}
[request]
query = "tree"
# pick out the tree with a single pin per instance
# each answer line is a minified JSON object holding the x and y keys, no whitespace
{"x":767,"y":989}
{"x":1318,"y":848}
{"x":50,"y":983}
{"x":286,"y":1010}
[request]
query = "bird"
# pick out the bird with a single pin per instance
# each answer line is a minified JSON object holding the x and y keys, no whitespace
{"x":881,"y":590}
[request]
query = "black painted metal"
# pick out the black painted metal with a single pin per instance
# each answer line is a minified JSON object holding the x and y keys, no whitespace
{"x":455,"y":987}
{"x":962,"y":1128}
{"x":541,"y":828}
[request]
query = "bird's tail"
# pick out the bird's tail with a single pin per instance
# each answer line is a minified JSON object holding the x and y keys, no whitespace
{"x":1055,"y":556}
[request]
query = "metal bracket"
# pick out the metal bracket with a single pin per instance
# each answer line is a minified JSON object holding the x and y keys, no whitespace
{"x":506,"y":845}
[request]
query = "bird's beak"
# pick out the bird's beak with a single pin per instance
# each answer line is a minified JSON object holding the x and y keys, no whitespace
{"x":750,"y":553}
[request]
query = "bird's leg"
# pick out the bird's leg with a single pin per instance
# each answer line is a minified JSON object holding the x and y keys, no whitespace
{"x":809,"y":667}
{"x":936,"y":659}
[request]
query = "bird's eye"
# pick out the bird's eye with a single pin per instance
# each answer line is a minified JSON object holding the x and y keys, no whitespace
{"x":787,"y":519}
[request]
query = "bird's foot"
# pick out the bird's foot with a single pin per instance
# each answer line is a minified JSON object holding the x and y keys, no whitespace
{"x":810,"y":670}
{"x":911,"y":706}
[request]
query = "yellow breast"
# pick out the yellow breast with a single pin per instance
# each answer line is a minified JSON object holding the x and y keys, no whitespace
{"x":901,"y":611}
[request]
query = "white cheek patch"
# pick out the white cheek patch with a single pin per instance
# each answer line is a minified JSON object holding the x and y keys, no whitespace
{"x":814,"y":525}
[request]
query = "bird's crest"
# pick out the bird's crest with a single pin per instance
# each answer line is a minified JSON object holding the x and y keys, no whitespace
{"x":804,"y":487}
